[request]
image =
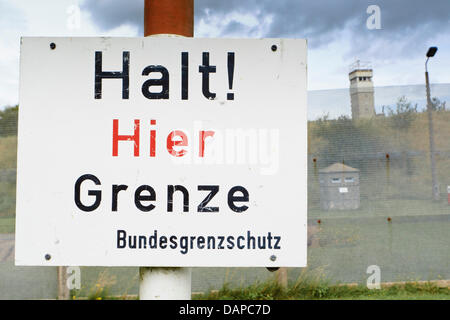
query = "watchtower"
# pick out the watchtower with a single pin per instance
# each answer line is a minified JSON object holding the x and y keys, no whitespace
{"x":361,"y":90}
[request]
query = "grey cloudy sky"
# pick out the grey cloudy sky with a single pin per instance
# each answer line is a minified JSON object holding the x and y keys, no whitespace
{"x":336,"y":32}
{"x":320,"y":20}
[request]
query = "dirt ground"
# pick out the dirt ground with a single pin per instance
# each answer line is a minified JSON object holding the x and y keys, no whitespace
{"x":6,"y":247}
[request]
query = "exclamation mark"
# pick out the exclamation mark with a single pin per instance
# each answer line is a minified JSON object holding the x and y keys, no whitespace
{"x":230,"y":95}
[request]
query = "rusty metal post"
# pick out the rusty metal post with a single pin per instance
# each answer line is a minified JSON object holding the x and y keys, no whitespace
{"x":167,"y":17}
{"x":172,"y":17}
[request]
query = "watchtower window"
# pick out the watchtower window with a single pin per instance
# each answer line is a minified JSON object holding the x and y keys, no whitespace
{"x":349,"y":179}
{"x":335,"y":180}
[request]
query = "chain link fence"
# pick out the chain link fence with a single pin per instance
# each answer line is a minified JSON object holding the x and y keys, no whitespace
{"x":369,"y":203}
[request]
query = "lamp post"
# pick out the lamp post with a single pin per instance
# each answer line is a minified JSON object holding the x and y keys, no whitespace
{"x":435,"y":186}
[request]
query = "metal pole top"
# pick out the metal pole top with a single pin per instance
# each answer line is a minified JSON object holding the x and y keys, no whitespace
{"x":174,"y":17}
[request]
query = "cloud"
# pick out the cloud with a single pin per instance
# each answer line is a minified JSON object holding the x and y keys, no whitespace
{"x":12,"y":24}
{"x":336,"y":30}
{"x":316,"y":20}
{"x":13,"y":13}
{"x":110,"y":14}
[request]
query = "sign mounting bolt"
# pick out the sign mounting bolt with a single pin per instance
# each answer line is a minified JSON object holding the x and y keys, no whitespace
{"x":273,"y":257}
{"x":52,"y":46}
{"x":48,"y":257}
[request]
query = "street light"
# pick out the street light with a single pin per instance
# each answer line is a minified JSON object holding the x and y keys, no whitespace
{"x":435,"y":186}
{"x":432,"y":51}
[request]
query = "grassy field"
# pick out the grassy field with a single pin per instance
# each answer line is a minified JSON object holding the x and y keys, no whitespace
{"x":305,"y":290}
{"x":8,"y":159}
{"x":8,"y":152}
{"x":394,"y":161}
{"x":7,"y":195}
{"x":302,"y":289}
{"x":343,"y":245}
{"x":414,"y":136}
{"x":387,"y":208}
{"x":7,"y":225}
{"x":397,"y":227}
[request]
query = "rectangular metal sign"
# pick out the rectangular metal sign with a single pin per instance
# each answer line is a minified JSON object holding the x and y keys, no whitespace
{"x":162,"y":152}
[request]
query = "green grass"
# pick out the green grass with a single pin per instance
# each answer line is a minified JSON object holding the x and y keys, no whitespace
{"x":8,"y":162}
{"x":101,"y":282}
{"x":8,"y":152}
{"x":404,"y":250}
{"x":388,"y":208}
{"x":303,"y":290}
{"x":7,"y":199}
{"x":7,"y":225}
{"x":306,"y":290}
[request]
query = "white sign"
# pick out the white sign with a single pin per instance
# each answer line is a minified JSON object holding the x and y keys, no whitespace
{"x":162,"y":152}
{"x":343,"y":190}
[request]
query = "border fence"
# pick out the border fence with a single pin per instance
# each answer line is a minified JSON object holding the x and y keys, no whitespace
{"x":383,"y":214}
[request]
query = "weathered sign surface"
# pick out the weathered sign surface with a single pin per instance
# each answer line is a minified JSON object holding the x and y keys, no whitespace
{"x":162,"y":152}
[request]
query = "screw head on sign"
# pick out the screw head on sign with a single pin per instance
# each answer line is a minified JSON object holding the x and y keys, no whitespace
{"x":389,"y":219}
{"x":319,"y":221}
{"x":274,"y":48}
{"x":273,"y":257}
{"x":52,"y":46}
{"x":48,"y":257}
